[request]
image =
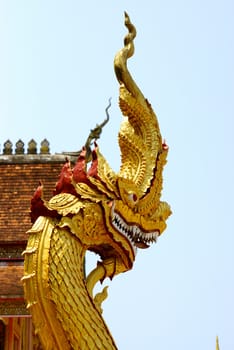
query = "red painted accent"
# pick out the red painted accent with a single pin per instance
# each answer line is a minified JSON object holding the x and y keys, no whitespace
{"x":93,"y":170}
{"x":64,"y":184}
{"x":65,"y":179}
{"x":79,"y":171}
{"x":37,"y":205}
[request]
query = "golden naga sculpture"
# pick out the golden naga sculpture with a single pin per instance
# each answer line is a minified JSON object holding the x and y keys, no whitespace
{"x":95,"y":209}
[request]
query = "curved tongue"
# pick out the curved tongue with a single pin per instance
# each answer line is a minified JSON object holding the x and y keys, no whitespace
{"x":141,"y":245}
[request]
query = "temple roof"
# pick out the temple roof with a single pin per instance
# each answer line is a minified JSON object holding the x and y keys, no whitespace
{"x":20,"y":174}
{"x":19,"y":178}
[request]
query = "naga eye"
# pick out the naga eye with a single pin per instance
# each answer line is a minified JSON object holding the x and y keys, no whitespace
{"x":133,"y":197}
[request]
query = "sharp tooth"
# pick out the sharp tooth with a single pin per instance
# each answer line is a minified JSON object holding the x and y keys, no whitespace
{"x":132,"y":232}
{"x":155,"y":236}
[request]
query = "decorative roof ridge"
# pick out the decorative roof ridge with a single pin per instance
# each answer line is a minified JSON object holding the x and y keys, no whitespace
{"x":31,"y":158}
{"x":20,"y":149}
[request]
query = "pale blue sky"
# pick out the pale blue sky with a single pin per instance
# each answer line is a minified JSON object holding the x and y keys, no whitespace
{"x":56,"y":75}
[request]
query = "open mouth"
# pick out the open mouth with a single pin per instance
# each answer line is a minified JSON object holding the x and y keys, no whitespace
{"x":137,"y":237}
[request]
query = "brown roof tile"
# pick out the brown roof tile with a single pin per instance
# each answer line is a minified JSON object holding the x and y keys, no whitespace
{"x":10,"y":280}
{"x":19,"y":177}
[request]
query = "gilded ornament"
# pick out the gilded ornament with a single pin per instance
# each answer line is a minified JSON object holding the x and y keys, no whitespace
{"x":95,"y":209}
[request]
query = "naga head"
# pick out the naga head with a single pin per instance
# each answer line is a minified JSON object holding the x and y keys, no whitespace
{"x":114,"y":214}
{"x":132,"y":206}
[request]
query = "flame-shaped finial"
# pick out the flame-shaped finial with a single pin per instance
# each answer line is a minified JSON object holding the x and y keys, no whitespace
{"x":120,"y":62}
{"x":217,"y":343}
